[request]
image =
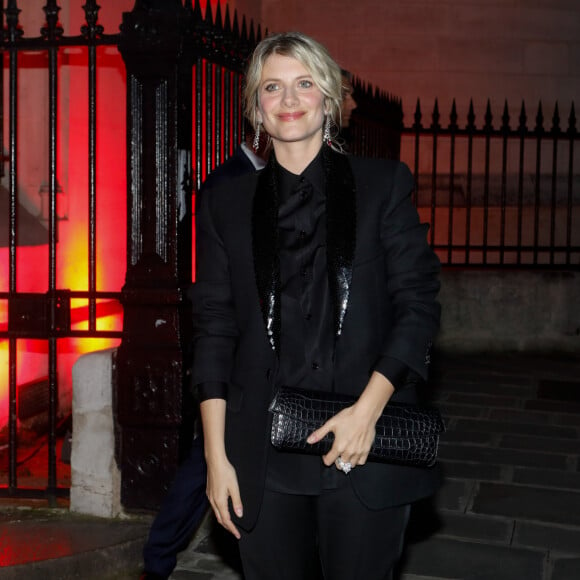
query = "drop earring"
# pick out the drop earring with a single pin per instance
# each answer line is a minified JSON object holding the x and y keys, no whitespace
{"x":326,"y":134}
{"x":256,"y":142}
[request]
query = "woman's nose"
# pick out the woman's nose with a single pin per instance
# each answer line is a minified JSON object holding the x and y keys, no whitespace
{"x":290,"y":98}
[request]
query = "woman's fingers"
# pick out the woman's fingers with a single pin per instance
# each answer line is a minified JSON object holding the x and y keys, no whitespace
{"x":220,"y":493}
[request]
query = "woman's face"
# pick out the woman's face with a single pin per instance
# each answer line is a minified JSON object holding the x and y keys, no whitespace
{"x":290,"y":105}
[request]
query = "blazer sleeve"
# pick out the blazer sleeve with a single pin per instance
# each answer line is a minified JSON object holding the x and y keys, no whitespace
{"x":412,"y":273}
{"x":215,"y":329}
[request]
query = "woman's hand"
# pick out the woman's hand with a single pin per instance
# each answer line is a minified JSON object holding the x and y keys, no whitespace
{"x":222,"y":485}
{"x":354,"y":427}
{"x":222,"y":481}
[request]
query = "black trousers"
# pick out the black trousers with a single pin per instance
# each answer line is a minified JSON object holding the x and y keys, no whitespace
{"x":331,"y":536}
{"x":181,"y":512}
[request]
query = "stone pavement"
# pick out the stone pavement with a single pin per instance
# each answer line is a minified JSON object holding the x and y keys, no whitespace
{"x":509,"y":508}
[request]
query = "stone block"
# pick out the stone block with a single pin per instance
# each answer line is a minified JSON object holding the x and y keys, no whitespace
{"x":501,"y":456}
{"x":448,"y":409}
{"x":478,"y":471}
{"x":558,"y":539}
{"x":454,"y":494}
{"x":482,"y":400}
{"x":508,"y":415}
{"x":95,"y":476}
{"x":566,"y":569}
{"x":475,"y":527}
{"x":462,"y":437}
{"x":521,"y":428}
{"x":449,"y":558}
{"x":547,"y":477}
{"x":546,"y":444}
{"x":526,"y":502}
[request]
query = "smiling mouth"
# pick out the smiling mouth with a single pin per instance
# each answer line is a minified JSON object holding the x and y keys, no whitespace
{"x":290,"y":116}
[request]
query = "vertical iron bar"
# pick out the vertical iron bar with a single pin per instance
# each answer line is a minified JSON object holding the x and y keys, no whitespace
{"x":435,"y":128}
{"x":553,"y":200}
{"x":198,"y":123}
{"x":452,"y":134}
{"x":555,"y":135}
{"x":217,"y":108}
{"x":522,"y":132}
{"x":468,"y":192}
{"x":13,"y":194}
{"x":52,"y":234}
{"x":208,"y":117}
{"x":227,"y":95}
{"x":487,"y":130}
{"x":505,"y":131}
{"x":538,"y":132}
{"x":92,"y":187}
{"x":569,"y":204}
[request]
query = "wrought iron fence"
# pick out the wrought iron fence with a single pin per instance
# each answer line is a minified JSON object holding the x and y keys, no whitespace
{"x":498,"y":196}
{"x":41,"y":321}
{"x":485,"y":191}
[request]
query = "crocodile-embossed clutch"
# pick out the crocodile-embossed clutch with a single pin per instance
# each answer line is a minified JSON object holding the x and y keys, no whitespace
{"x":405,"y":434}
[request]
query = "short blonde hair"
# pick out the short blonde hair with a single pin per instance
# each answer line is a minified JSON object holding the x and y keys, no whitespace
{"x":324,"y":70}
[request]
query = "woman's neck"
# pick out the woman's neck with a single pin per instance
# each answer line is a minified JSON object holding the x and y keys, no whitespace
{"x":296,"y":157}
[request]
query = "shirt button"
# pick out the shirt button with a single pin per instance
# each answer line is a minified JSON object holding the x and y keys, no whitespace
{"x":302,"y":234}
{"x":303,"y":272}
{"x":308,"y":316}
{"x":315,"y":366}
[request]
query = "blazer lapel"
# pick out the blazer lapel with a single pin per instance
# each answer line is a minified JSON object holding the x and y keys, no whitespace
{"x":341,"y":230}
{"x":265,"y":251}
{"x":340,"y":240}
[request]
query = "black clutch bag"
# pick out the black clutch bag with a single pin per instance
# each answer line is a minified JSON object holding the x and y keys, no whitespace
{"x":405,"y":434}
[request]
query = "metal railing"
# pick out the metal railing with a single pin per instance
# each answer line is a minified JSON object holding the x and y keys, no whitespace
{"x":45,"y":316}
{"x":498,"y":196}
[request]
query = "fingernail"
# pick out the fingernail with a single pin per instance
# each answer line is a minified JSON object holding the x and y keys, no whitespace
{"x":311,"y":439}
{"x":239,"y":512}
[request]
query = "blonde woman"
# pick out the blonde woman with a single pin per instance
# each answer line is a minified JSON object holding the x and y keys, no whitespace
{"x":314,"y":273}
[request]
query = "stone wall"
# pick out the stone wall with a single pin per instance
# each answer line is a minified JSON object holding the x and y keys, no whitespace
{"x":509,"y":310}
{"x":445,"y":49}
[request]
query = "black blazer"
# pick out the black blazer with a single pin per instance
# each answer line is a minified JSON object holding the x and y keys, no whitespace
{"x":383,"y":279}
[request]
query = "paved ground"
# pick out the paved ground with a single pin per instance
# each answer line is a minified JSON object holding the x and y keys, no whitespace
{"x":509,"y":508}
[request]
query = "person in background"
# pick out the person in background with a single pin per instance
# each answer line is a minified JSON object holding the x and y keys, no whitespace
{"x":349,"y":103}
{"x":185,"y":504}
{"x":313,"y":273}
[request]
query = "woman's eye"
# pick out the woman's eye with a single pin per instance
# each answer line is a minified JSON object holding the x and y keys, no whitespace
{"x":305,"y":84}
{"x":270,"y":87}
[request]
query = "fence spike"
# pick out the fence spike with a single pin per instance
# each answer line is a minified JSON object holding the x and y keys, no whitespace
{"x":488,"y":118}
{"x":92,"y":30}
{"x":218,"y":16}
{"x":14,"y":29}
{"x":540,"y":118}
{"x":523,"y":119}
{"x":417,"y":116}
{"x":236,"y":25}
{"x":197,"y":11}
{"x":505,"y":118}
{"x":572,"y":121}
{"x":556,"y":120}
{"x":52,"y":30}
{"x":227,"y":21}
{"x":259,"y":34}
{"x":208,"y":13}
{"x":470,"y":117}
{"x":453,"y":117}
{"x":244,"y":34}
{"x":252,"y":37}
{"x":435,"y":116}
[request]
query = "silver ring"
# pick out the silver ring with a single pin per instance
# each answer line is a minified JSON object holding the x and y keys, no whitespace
{"x":344,"y":466}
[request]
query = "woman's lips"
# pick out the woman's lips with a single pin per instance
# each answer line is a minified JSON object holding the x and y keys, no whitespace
{"x":290,"y":116}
